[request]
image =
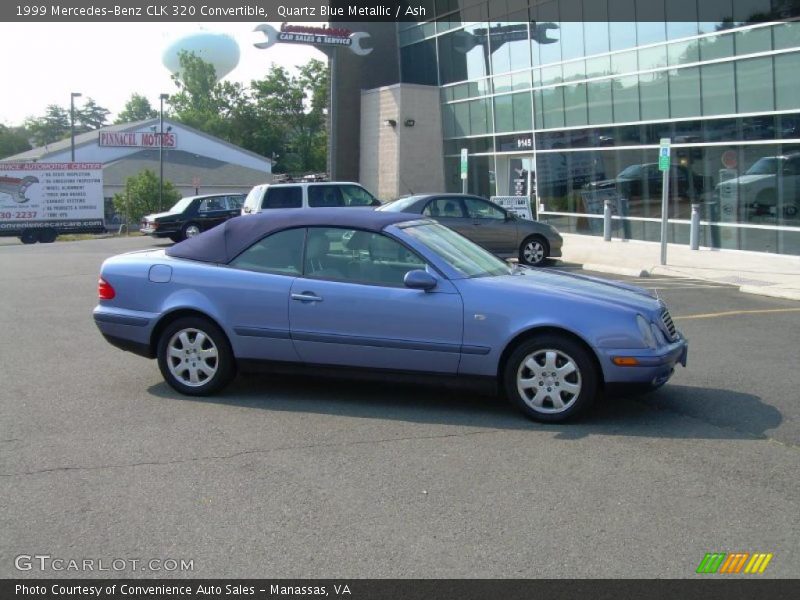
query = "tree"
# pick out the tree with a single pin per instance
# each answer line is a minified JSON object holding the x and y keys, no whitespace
{"x":141,"y":196}
{"x":137,"y":108}
{"x":53,"y":126}
{"x":90,"y":116}
{"x":13,"y":140}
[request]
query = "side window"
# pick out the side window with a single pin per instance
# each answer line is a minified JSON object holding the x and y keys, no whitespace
{"x":280,"y":253}
{"x":357,"y":256}
{"x":325,"y":195}
{"x":444,"y":207}
{"x":212,"y":204}
{"x":253,"y":198}
{"x":356,"y":196}
{"x":235,"y":202}
{"x":480,"y":209}
{"x":283,"y":197}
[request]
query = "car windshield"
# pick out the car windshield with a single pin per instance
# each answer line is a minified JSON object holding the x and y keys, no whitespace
{"x":632,"y":172}
{"x":399,"y":205}
{"x":764,"y":166}
{"x":180,"y":205}
{"x":464,"y":256}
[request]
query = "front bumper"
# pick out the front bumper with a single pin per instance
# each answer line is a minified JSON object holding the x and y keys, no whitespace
{"x":654,"y":368}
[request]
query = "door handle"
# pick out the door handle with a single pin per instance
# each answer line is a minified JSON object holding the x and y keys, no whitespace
{"x":306,"y":297}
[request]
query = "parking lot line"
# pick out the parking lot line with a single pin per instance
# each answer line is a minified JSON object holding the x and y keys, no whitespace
{"x":731,"y":313}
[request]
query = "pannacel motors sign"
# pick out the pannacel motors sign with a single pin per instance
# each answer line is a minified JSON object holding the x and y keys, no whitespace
{"x":137,"y":139}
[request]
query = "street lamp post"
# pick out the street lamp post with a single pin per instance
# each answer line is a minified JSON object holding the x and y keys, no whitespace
{"x":162,"y":97}
{"x":72,"y":97}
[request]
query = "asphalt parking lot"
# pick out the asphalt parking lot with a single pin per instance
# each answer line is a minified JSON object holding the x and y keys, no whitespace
{"x":287,"y":477}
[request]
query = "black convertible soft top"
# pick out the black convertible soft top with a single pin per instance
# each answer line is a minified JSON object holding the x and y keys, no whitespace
{"x":224,"y":242}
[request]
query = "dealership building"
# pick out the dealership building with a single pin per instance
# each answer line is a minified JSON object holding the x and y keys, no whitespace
{"x":193,"y":161}
{"x":566,"y":101}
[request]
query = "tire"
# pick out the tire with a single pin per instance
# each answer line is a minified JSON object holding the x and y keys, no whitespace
{"x":29,"y":236}
{"x":48,"y":236}
{"x":181,"y":358}
{"x":189,"y":230}
{"x":568,"y":394}
{"x":534,"y":251}
{"x":175,"y":237}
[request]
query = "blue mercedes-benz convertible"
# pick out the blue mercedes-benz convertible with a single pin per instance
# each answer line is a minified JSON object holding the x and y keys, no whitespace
{"x":342,"y":291}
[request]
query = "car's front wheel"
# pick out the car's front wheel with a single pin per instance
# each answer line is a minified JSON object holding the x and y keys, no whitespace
{"x":190,"y":230}
{"x":551,"y":378}
{"x":194,"y":356}
{"x":533,"y":251}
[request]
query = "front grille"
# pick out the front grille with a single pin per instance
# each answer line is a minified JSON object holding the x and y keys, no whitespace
{"x":669,"y":326}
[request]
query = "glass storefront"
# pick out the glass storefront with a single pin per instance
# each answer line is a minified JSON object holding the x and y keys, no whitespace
{"x":570,"y":111}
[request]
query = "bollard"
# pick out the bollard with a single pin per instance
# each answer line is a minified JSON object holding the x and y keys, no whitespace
{"x":694,"y":231}
{"x":607,"y":220}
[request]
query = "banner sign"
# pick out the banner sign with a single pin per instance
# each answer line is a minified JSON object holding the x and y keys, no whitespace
{"x":137,"y":139}
{"x":39,"y":194}
{"x":316,"y":36}
{"x":519,"y":205}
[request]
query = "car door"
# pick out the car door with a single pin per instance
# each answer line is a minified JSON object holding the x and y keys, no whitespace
{"x":351,"y":307}
{"x":256,"y":287}
{"x":490,"y":227}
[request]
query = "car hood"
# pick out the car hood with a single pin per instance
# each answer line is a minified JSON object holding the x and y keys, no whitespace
{"x":576,"y":286}
{"x":746,"y":179}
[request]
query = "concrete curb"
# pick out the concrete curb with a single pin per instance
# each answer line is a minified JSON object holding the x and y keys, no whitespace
{"x":615,"y":270}
{"x":773,"y":292}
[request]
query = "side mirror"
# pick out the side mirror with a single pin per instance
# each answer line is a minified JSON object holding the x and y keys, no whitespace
{"x":419,"y":280}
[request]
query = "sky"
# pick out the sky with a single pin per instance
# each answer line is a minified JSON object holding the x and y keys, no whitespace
{"x":110,"y":61}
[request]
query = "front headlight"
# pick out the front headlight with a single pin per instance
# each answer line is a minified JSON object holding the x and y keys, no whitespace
{"x":646,"y":331}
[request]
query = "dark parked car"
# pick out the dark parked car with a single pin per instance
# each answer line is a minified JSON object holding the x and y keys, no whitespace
{"x":488,"y":225}
{"x":646,"y":181}
{"x":192,"y":215}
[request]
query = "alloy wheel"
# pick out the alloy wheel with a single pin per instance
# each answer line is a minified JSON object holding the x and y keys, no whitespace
{"x":192,"y":357}
{"x":549,"y":381}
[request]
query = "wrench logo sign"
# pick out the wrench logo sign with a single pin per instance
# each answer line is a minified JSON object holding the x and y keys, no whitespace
{"x":317,"y":36}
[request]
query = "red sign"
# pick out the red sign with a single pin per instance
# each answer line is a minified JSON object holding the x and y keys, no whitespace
{"x":137,"y":139}
{"x":729,"y":159}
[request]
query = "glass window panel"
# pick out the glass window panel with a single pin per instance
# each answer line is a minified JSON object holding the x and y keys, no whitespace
{"x":624,"y":62}
{"x":553,"y":107}
{"x":755,"y":85}
{"x":716,"y":46}
{"x":626,"y":99}
{"x":503,"y":113}
{"x":600,"y":105}
{"x":521,"y":81}
{"x":787,"y":82}
{"x":684,"y":92}
{"x":551,"y":75}
{"x":751,"y":11}
{"x":719,"y":97}
{"x":502,"y":84}
{"x":523,"y":119}
{"x":652,"y":58}
{"x":681,"y":17}
{"x":460,"y":92}
{"x":598,"y":67}
{"x":650,"y":25}
{"x":787,"y":35}
{"x":574,"y":71}
{"x":448,"y":120}
{"x":654,"y":91}
{"x":538,"y":119}
{"x":463,"y":54}
{"x":546,"y":34}
{"x":622,"y":25}
{"x":595,"y":35}
{"x":280,"y":253}
{"x":575,"y":106}
{"x":572,"y":32}
{"x":682,"y":53}
{"x":479,"y":116}
{"x":753,"y":40}
{"x":418,"y":63}
{"x":713,"y":16}
{"x":461,"y":111}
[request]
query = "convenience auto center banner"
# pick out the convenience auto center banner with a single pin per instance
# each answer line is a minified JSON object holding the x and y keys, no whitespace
{"x":42,"y":193}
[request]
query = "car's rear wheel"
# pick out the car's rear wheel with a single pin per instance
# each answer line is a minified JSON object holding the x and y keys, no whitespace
{"x":48,"y":236}
{"x":533,"y":251}
{"x":190,"y":230}
{"x":194,"y":357}
{"x":29,"y":236}
{"x":551,"y":378}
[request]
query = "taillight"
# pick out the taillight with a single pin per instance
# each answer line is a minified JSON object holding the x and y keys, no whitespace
{"x":104,"y":290}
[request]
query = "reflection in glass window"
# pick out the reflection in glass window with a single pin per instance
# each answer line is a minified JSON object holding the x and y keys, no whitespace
{"x":511,"y":49}
{"x":546,"y":34}
{"x":716,"y":46}
{"x":418,"y":63}
{"x":280,"y":253}
{"x":624,"y":62}
{"x":626,"y":98}
{"x":682,"y":53}
{"x":552,"y":107}
{"x":719,"y":97}
{"x":652,"y":58}
{"x":464,"y":54}
{"x":684,"y":92}
{"x":595,"y":31}
{"x":600,"y":104}
{"x":523,"y":119}
{"x":754,"y":85}
{"x":575,"y":105}
{"x":681,"y":18}
{"x":654,"y":91}
{"x":786,"y":35}
{"x":787,"y":82}
{"x":479,"y":116}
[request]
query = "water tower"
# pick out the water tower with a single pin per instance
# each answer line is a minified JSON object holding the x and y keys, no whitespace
{"x":218,"y":49}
